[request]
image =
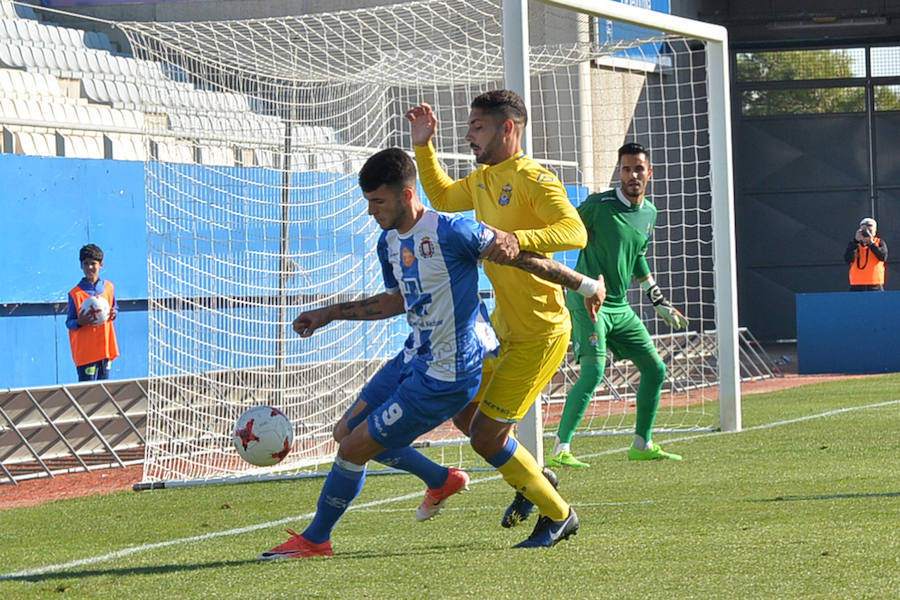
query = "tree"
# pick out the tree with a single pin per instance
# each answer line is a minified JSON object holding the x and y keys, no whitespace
{"x":803,"y":65}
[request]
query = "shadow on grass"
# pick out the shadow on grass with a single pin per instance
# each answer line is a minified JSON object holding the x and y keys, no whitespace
{"x":827,"y":497}
{"x":177,"y":568}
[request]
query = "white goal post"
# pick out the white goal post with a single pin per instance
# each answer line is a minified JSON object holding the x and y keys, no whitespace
{"x":256,"y":129}
{"x":517,"y":77}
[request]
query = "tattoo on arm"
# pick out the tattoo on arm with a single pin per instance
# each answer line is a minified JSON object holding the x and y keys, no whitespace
{"x":548,"y":269}
{"x":367,"y":309}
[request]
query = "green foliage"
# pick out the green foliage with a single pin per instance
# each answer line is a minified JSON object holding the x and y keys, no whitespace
{"x":802,"y":504}
{"x":793,"y":65}
{"x":800,"y":65}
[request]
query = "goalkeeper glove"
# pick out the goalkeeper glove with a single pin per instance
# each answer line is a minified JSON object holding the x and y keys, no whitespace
{"x":671,"y":315}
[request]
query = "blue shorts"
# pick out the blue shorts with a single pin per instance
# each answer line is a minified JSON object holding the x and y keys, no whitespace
{"x":404,"y":403}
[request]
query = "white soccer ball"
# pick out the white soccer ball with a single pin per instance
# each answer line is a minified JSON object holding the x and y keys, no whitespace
{"x":263,"y":436}
{"x":96,"y":308}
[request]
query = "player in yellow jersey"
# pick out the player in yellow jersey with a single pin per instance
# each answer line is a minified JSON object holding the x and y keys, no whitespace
{"x":530,"y":211}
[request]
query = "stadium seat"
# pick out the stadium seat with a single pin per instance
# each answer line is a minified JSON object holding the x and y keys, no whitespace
{"x":95,"y":146}
{"x":27,"y":32}
{"x":38,"y":144}
{"x":7,"y":109}
{"x":8,"y":31}
{"x":71,"y":38}
{"x":217,"y":156}
{"x":95,"y":90}
{"x":11,"y":56}
{"x":97,"y":41}
{"x":24,"y":110}
{"x":59,"y":112}
{"x":175,"y":152}
{"x":82,"y":116}
{"x":330,"y":162}
{"x":127,"y":147}
{"x":99,"y":115}
{"x":68,"y":63}
{"x":47,"y":35}
{"x":70,"y":114}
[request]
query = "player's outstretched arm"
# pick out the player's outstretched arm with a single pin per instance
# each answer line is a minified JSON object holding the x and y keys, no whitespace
{"x":373,"y":308}
{"x":663,"y":307}
{"x":593,"y":290}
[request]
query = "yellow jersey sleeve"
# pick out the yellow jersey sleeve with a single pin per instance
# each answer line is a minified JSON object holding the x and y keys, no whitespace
{"x":560,"y":227}
{"x":443,"y":192}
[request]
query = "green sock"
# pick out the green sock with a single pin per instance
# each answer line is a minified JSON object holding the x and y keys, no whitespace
{"x":653,"y":374}
{"x":578,"y":398}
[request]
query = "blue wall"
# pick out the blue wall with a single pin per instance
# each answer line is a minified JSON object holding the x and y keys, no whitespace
{"x":848,"y":332}
{"x":52,"y":207}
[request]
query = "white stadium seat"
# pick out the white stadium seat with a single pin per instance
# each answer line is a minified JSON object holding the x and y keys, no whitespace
{"x":11,"y":56}
{"x":127,"y":147}
{"x":8,"y":29}
{"x":7,"y":109}
{"x":59,"y":112}
{"x":27,"y":32}
{"x":71,"y":114}
{"x":222,"y":156}
{"x":37,"y":144}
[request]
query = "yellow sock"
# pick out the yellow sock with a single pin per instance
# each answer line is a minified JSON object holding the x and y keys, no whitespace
{"x":523,"y":473}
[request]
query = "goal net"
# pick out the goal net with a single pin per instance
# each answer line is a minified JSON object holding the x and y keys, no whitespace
{"x":256,"y":131}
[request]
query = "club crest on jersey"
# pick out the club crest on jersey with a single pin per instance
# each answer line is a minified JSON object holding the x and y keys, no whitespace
{"x":426,"y":248}
{"x":505,"y":196}
{"x":593,"y":340}
{"x":408,"y":257}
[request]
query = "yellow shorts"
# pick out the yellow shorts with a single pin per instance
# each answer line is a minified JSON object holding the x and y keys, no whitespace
{"x":511,"y":382}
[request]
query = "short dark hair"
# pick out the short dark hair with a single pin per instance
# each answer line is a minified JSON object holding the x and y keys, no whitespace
{"x":633,"y":148}
{"x":391,"y":167}
{"x":90,"y":251}
{"x":504,"y":103}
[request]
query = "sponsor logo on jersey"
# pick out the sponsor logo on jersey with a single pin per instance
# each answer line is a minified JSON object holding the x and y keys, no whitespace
{"x":505,"y":196}
{"x":545,"y":178}
{"x":426,"y":248}
{"x":408,"y":257}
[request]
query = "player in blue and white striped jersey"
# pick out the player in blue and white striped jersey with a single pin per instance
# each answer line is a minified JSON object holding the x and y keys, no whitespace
{"x":430,"y":267}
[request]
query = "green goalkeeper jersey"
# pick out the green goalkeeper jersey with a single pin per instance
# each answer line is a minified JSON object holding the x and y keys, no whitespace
{"x":618,"y":235}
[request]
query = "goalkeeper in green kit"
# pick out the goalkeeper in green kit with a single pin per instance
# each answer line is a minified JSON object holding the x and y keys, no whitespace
{"x":619,"y":223}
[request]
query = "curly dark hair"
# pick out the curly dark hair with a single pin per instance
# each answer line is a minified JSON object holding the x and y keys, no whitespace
{"x":391,"y":167}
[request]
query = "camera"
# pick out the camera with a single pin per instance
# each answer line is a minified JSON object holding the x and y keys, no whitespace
{"x":864,"y":231}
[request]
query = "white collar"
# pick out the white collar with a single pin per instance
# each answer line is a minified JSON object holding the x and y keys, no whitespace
{"x":625,"y":200}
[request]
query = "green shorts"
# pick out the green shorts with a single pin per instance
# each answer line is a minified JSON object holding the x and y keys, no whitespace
{"x":622,"y":332}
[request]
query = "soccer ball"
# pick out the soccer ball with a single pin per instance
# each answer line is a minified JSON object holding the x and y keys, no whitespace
{"x":96,"y":308}
{"x":263,"y":436}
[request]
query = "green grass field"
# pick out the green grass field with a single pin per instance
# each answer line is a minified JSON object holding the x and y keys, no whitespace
{"x":804,"y":503}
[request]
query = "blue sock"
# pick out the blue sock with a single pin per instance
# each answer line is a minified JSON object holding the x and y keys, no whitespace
{"x":412,"y":461}
{"x":342,"y":485}
{"x":500,"y":459}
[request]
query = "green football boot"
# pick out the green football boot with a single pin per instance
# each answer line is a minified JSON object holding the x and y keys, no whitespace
{"x":654,"y":452}
{"x":566,"y":459}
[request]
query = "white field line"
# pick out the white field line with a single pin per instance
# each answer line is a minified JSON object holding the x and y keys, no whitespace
{"x":241,"y":530}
